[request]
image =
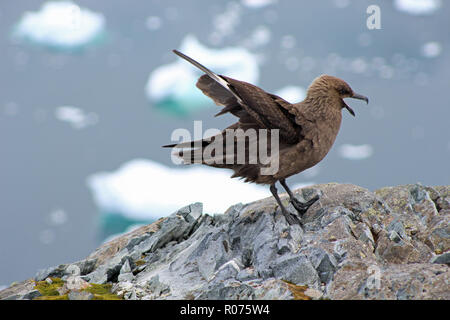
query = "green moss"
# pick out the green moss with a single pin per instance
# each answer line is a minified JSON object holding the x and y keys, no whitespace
{"x":99,"y":288}
{"x":63,"y":297}
{"x":49,"y":289}
{"x":110,"y":296}
{"x":102,"y":292}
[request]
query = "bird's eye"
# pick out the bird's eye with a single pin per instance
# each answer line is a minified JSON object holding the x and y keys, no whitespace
{"x":343,"y":91}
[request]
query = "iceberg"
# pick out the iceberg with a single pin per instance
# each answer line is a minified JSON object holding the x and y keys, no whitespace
{"x":76,"y":117}
{"x":172,"y":87}
{"x":61,"y":25}
{"x":418,"y":7}
{"x":141,"y":191}
{"x":292,"y":94}
{"x":431,"y":49}
{"x":147,"y":190}
{"x":355,"y":152}
{"x":257,"y":3}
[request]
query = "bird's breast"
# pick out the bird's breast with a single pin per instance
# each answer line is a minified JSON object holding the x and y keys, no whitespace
{"x":325,"y":135}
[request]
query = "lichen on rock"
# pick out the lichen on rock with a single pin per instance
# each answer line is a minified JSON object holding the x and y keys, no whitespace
{"x":353,"y":244}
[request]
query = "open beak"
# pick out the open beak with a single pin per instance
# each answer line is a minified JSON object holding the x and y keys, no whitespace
{"x":349,"y":109}
{"x":360,"y":97}
{"x":355,"y":96}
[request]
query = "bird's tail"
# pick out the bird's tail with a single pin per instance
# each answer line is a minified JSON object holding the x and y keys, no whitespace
{"x":219,"y":79}
{"x":213,"y":75}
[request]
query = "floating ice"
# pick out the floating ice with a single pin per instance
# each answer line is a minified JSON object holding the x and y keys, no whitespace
{"x":147,"y":190}
{"x":76,"y":117}
{"x":61,"y":25}
{"x":172,"y":86}
{"x":225,"y":23}
{"x":153,"y":23}
{"x":292,"y":94}
{"x":355,"y":152}
{"x":431,"y":49}
{"x":260,"y":36}
{"x":358,"y":65}
{"x":57,"y":217}
{"x":418,"y":7}
{"x":257,"y":3}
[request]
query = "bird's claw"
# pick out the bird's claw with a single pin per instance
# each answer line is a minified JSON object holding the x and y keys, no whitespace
{"x":291,"y":218}
{"x":302,"y":207}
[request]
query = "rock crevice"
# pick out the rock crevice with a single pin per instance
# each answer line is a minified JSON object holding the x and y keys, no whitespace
{"x":354,"y":244}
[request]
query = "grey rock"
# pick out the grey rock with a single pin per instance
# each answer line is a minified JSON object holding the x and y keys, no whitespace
{"x":326,"y":268}
{"x":396,"y":231}
{"x":228,"y":291}
{"x":442,"y":258}
{"x":137,"y":240}
{"x":125,"y":277}
{"x":55,"y":271}
{"x":296,"y":269}
{"x":353,"y":244}
{"x":227,"y":271}
{"x":81,"y":267}
{"x":174,"y":228}
{"x":126,"y":268}
{"x":31,"y":295}
{"x":86,"y":266}
{"x":157,"y":288}
{"x":246,"y":274}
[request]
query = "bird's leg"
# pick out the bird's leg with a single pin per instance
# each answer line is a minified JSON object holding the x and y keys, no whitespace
{"x":299,"y":206}
{"x":290,"y":218}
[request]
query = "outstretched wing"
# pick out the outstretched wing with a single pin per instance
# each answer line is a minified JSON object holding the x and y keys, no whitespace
{"x":249,"y":103}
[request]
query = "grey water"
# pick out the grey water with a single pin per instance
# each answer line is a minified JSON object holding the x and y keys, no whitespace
{"x":44,"y":162}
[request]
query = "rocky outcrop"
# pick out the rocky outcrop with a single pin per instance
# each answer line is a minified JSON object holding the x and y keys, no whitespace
{"x":353,"y":244}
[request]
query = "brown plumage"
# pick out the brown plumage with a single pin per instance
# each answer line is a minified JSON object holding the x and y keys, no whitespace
{"x":307,"y":130}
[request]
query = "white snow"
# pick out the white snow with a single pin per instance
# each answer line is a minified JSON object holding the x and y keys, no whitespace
{"x":60,"y":24}
{"x":355,"y":152}
{"x":418,"y":7}
{"x":145,"y":189}
{"x":175,"y":82}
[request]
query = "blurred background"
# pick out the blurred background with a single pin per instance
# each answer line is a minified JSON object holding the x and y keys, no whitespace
{"x":91,"y":90}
